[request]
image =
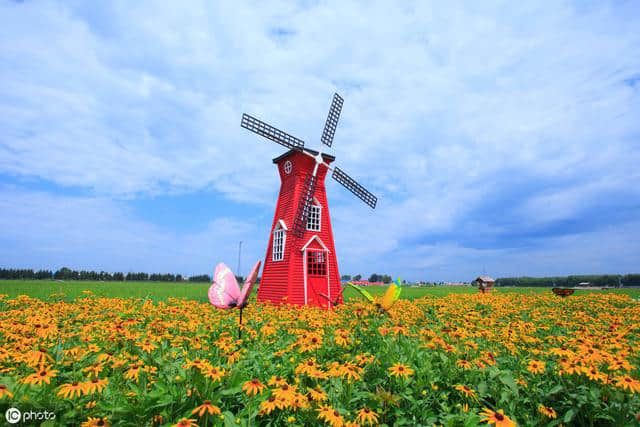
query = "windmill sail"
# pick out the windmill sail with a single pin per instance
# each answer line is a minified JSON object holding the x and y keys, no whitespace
{"x":269,"y":132}
{"x":332,"y":120}
{"x":357,"y":189}
{"x":304,"y":205}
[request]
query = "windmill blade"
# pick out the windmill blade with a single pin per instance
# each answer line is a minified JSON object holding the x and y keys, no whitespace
{"x":357,"y":189}
{"x":332,"y":120}
{"x":269,"y":132}
{"x":304,"y":206}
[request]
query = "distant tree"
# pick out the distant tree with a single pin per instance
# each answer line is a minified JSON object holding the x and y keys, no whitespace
{"x":345,"y":277}
{"x":63,"y":274}
{"x":386,"y":278}
{"x":357,"y":277}
{"x":43,"y":274}
{"x":240,"y":279}
{"x":374,"y":277}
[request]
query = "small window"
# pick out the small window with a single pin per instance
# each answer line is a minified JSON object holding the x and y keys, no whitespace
{"x":279,"y":238}
{"x":313,"y":223}
{"x":287,"y":167}
{"x":316,"y":263}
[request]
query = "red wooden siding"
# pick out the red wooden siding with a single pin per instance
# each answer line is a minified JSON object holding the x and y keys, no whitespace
{"x":283,"y":281}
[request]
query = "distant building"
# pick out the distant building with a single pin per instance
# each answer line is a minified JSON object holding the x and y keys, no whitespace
{"x":456,"y":284}
{"x":585,"y":284}
{"x":484,"y":283}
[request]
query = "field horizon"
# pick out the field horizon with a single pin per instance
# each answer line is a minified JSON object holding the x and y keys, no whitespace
{"x":158,"y":291}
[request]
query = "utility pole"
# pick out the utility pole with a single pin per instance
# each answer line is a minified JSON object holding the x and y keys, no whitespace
{"x":239,"y":252}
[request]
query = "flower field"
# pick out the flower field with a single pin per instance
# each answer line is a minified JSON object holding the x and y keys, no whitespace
{"x":462,"y":359}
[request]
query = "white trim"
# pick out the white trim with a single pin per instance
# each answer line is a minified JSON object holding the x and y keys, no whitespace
{"x":304,"y":265}
{"x":319,"y":208}
{"x":315,"y":237}
{"x":280,"y":228}
{"x":328,"y":282}
{"x":280,"y":224}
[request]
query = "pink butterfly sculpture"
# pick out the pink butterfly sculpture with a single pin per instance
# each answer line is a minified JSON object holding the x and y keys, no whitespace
{"x":224,"y":291}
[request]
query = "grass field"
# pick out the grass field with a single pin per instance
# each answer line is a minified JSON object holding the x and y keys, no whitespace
{"x":158,"y":291}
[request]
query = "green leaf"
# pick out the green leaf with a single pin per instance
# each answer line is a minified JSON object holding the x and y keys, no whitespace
{"x":482,"y":388}
{"x":471,"y":421}
{"x":233,"y":390}
{"x":229,"y":419}
{"x":555,"y":390}
{"x":568,"y":416}
{"x":508,"y":380}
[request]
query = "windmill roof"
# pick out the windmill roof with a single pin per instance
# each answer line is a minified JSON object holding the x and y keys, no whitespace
{"x":327,"y":157}
{"x":485,"y":279}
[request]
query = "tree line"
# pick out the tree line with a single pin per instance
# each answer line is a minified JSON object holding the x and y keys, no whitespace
{"x":68,"y":274}
{"x":375,"y":277}
{"x":571,"y":281}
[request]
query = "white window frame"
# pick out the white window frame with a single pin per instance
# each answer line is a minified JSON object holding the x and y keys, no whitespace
{"x":314,"y":211}
{"x":279,"y":242}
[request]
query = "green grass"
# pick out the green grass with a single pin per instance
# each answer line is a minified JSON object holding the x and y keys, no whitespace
{"x":43,"y":289}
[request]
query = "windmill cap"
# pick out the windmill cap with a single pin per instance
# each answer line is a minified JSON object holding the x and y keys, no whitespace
{"x":327,"y":157}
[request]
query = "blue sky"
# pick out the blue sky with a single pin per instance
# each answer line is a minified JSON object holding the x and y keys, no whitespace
{"x":500,"y":137}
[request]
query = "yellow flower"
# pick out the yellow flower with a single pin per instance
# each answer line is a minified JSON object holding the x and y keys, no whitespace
{"x":464,"y":364}
{"x":186,"y":422}
{"x":268,"y":406}
{"x":4,"y":391}
{"x":367,"y":416}
{"x":593,"y":374}
{"x":253,"y":387}
{"x":95,"y":422}
{"x":331,"y":416}
{"x":469,"y":392}
{"x":400,"y":370}
{"x":497,"y":418}
{"x":536,"y":366}
{"x":95,"y":385}
{"x":93,"y":370}
{"x":206,"y":407}
{"x":214,"y":373}
{"x":317,"y":394}
{"x":133,"y":372}
{"x":276,"y":380}
{"x":70,"y":390}
{"x":627,"y":383}
{"x":547,"y":411}
{"x":43,"y":375}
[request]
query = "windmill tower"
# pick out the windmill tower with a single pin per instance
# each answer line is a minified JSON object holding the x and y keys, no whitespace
{"x":300,"y":266}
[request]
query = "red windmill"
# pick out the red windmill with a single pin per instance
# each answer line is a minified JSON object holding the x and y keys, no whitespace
{"x":301,"y":265}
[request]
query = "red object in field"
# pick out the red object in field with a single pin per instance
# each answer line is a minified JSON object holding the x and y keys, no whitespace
{"x":563,"y":292}
{"x":297,"y":270}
